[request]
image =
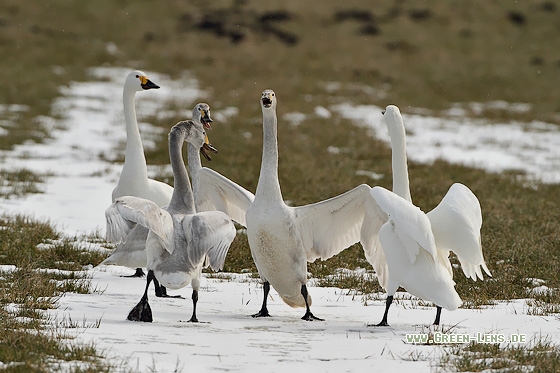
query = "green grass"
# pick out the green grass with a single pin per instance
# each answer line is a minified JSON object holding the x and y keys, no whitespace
{"x":19,"y":183}
{"x":540,"y":355}
{"x":28,"y":340}
{"x":428,"y":55}
{"x":544,"y":303}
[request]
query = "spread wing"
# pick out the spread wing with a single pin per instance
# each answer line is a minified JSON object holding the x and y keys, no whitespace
{"x":126,"y":211}
{"x":332,"y":225}
{"x":456,"y":224}
{"x":208,"y":234}
{"x":218,"y":193}
{"x":369,"y":238}
{"x":132,"y":252}
{"x":410,"y":225}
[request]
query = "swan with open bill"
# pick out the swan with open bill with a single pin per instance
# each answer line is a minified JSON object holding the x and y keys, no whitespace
{"x":283,"y":239}
{"x":132,"y":252}
{"x":180,"y":240}
{"x":410,"y":248}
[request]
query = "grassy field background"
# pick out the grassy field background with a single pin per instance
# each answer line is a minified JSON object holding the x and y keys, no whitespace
{"x":428,"y":55}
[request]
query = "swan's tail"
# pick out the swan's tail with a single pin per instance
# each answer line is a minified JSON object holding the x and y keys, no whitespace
{"x":295,"y":300}
{"x":173,"y":280}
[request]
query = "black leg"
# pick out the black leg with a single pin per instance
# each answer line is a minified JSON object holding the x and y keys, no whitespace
{"x":264,"y":311}
{"x":161,"y":291}
{"x":142,"y":311}
{"x":194,"y":301}
{"x":308,"y":315}
{"x":139,"y":273}
{"x":387,"y":305}
{"x":438,"y":315}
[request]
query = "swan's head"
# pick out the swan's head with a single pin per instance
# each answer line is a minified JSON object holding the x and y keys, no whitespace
{"x":391,"y":110}
{"x":394,"y":121}
{"x":138,"y":81}
{"x":268,"y":99}
{"x":193,"y":133}
{"x":201,"y":114}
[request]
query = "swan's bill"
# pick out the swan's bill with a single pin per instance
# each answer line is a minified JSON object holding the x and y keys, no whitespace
{"x":147,"y":83}
{"x":267,"y":98}
{"x":207,"y":147}
{"x":205,"y":119}
{"x":203,"y":114}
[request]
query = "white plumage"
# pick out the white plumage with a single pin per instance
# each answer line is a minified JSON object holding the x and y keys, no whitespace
{"x":283,"y":238}
{"x":134,"y":180}
{"x":409,"y":248}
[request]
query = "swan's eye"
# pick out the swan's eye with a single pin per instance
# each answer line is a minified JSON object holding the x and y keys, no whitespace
{"x":137,"y":76}
{"x":273,"y":94}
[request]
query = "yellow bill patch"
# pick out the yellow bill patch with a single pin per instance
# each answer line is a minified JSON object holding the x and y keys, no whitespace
{"x":143,"y":79}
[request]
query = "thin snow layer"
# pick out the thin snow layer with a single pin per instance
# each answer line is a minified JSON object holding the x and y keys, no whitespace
{"x":92,"y":129}
{"x":229,"y":339}
{"x":533,"y":147}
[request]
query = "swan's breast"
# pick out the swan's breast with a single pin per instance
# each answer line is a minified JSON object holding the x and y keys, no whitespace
{"x":275,"y":246}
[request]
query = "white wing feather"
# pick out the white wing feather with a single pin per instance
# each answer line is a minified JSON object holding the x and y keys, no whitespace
{"x":132,"y":252}
{"x":410,"y":223}
{"x":456,"y":224}
{"x":118,"y":228}
{"x":140,"y":211}
{"x":218,"y":193}
{"x":424,"y":278}
{"x":330,"y":226}
{"x":369,"y":238}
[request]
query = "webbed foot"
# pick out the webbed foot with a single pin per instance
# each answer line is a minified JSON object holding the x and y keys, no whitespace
{"x":139,"y":273}
{"x":310,"y":317}
{"x":141,"y":312}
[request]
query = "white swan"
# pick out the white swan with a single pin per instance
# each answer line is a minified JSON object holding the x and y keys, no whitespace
{"x":180,"y":239}
{"x":132,"y":252}
{"x":409,"y":248}
{"x":282,"y":238}
{"x":134,"y":180}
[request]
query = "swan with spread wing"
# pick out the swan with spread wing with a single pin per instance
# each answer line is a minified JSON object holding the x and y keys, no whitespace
{"x":282,"y":238}
{"x":132,"y":252}
{"x":410,"y":248}
{"x":180,"y":239}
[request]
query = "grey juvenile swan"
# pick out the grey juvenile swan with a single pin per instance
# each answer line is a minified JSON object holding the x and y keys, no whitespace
{"x":180,"y":240}
{"x":132,"y":252}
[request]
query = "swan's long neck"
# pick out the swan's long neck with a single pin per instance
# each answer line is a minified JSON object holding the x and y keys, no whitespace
{"x":182,"y":200}
{"x":401,"y":185}
{"x":193,"y":158}
{"x":135,"y":161}
{"x":268,"y":186}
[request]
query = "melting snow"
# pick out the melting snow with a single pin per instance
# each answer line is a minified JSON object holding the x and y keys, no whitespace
{"x":228,"y":339}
